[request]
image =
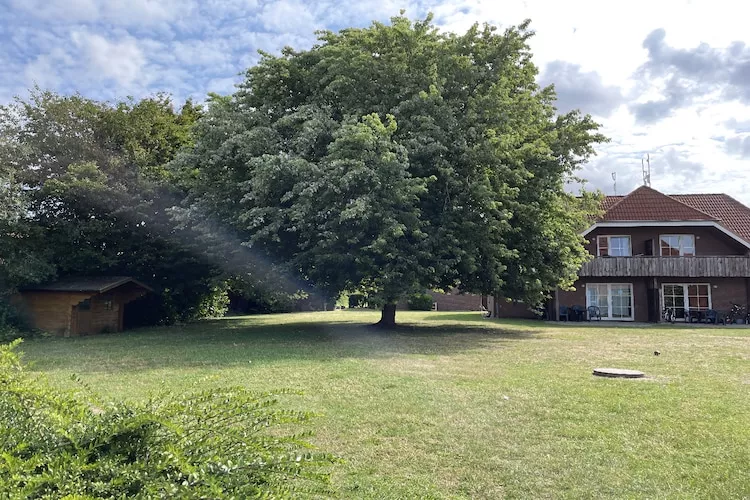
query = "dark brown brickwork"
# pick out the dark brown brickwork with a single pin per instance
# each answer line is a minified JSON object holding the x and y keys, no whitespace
{"x":577,"y":297}
{"x":509,"y":309}
{"x":724,"y":292}
{"x":708,"y":240}
{"x":457,"y":302}
{"x":451,"y":301}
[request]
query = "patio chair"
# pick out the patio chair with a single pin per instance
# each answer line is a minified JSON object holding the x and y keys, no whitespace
{"x":722,"y":317}
{"x":710,"y":316}
{"x":564,"y":313}
{"x":594,"y":313}
{"x":694,"y":316}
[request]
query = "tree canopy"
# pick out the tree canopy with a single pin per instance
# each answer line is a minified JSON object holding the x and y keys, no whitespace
{"x":396,"y":158}
{"x":384,"y":161}
{"x":90,"y":194}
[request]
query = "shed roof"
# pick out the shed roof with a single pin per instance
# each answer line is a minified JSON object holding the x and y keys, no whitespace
{"x":99,"y":284}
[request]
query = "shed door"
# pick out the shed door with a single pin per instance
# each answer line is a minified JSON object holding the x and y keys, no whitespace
{"x":82,"y":313}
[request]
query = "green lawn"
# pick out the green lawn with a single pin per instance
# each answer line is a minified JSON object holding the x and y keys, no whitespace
{"x":455,"y":406}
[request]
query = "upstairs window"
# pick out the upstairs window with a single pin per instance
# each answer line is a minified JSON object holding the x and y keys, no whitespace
{"x":676,"y":245}
{"x":613,"y":246}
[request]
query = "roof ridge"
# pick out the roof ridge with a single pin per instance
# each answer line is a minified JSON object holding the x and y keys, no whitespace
{"x":689,"y":206}
{"x":698,"y":194}
{"x":624,"y":197}
{"x":647,"y":190}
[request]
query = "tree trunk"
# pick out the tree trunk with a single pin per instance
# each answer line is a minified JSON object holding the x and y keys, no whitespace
{"x":387,"y":316}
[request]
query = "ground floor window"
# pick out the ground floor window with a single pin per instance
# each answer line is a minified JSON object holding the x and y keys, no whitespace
{"x":685,"y":297}
{"x":614,"y":300}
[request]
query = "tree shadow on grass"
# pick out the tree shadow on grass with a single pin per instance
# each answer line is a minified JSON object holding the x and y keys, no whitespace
{"x":463,"y":316}
{"x":232,"y":342}
{"x":479,"y":317}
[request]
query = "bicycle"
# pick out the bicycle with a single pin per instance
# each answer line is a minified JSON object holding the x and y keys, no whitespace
{"x":668,"y":314}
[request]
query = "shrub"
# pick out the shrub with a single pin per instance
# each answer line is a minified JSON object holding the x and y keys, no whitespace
{"x":420,"y":302}
{"x":12,"y":325}
{"x":214,"y":304}
{"x":357,"y":300}
{"x":214,"y":444}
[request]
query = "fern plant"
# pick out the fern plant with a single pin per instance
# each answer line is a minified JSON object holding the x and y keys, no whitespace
{"x":227,"y":443}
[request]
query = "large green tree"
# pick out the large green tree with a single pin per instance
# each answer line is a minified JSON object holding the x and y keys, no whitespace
{"x":22,"y":260}
{"x":397,"y":158}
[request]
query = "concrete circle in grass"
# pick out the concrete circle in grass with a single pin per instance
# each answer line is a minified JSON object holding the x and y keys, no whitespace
{"x":617,"y":373}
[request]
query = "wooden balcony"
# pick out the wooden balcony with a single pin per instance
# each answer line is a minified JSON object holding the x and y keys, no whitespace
{"x":729,"y":266}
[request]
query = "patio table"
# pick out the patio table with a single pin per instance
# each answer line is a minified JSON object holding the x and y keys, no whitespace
{"x":696,"y":314}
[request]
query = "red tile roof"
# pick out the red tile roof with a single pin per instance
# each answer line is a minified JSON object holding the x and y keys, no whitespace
{"x":646,"y":204}
{"x":610,"y":200}
{"x":730,"y":213}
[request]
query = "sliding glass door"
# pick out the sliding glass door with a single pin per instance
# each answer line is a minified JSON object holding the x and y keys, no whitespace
{"x":682,"y":298}
{"x":614,"y":300}
{"x":674,"y":298}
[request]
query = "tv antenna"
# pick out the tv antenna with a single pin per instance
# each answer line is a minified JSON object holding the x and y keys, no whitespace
{"x":614,"y":179}
{"x":646,"y":169}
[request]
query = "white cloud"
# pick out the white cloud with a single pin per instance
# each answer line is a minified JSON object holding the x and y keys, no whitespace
{"x":222,"y":85}
{"x":43,"y":72}
{"x":215,"y":52}
{"x":120,"y":61}
{"x":739,"y":146}
{"x":117,"y":12}
{"x":68,"y":10}
{"x":145,"y":11}
{"x":284,"y":16}
{"x":577,"y":89}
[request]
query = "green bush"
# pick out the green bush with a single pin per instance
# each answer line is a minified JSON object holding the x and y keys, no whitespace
{"x":357,"y":300}
{"x":12,"y":325}
{"x":420,"y":302}
{"x":214,"y":304}
{"x":223,"y":443}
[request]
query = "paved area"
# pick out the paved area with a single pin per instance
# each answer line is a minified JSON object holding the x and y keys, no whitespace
{"x":635,"y":324}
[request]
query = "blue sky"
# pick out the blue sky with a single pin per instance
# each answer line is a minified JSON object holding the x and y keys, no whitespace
{"x":670,"y":79}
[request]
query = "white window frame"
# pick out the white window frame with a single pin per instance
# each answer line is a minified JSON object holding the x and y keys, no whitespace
{"x":609,"y":316}
{"x":679,"y":239}
{"x":609,"y":244}
{"x":685,"y":294}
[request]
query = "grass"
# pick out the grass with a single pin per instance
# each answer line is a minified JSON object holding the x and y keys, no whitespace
{"x":454,"y":406}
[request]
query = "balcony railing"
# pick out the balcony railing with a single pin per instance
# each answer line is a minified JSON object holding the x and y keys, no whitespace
{"x":729,"y":266}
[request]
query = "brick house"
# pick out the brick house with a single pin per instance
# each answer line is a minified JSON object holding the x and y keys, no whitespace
{"x":651,"y":251}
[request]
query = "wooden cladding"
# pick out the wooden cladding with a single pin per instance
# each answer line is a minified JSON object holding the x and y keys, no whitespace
{"x":78,"y":313}
{"x":678,"y":267}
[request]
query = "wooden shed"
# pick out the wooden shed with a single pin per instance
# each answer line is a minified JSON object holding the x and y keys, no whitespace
{"x":80,"y":306}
